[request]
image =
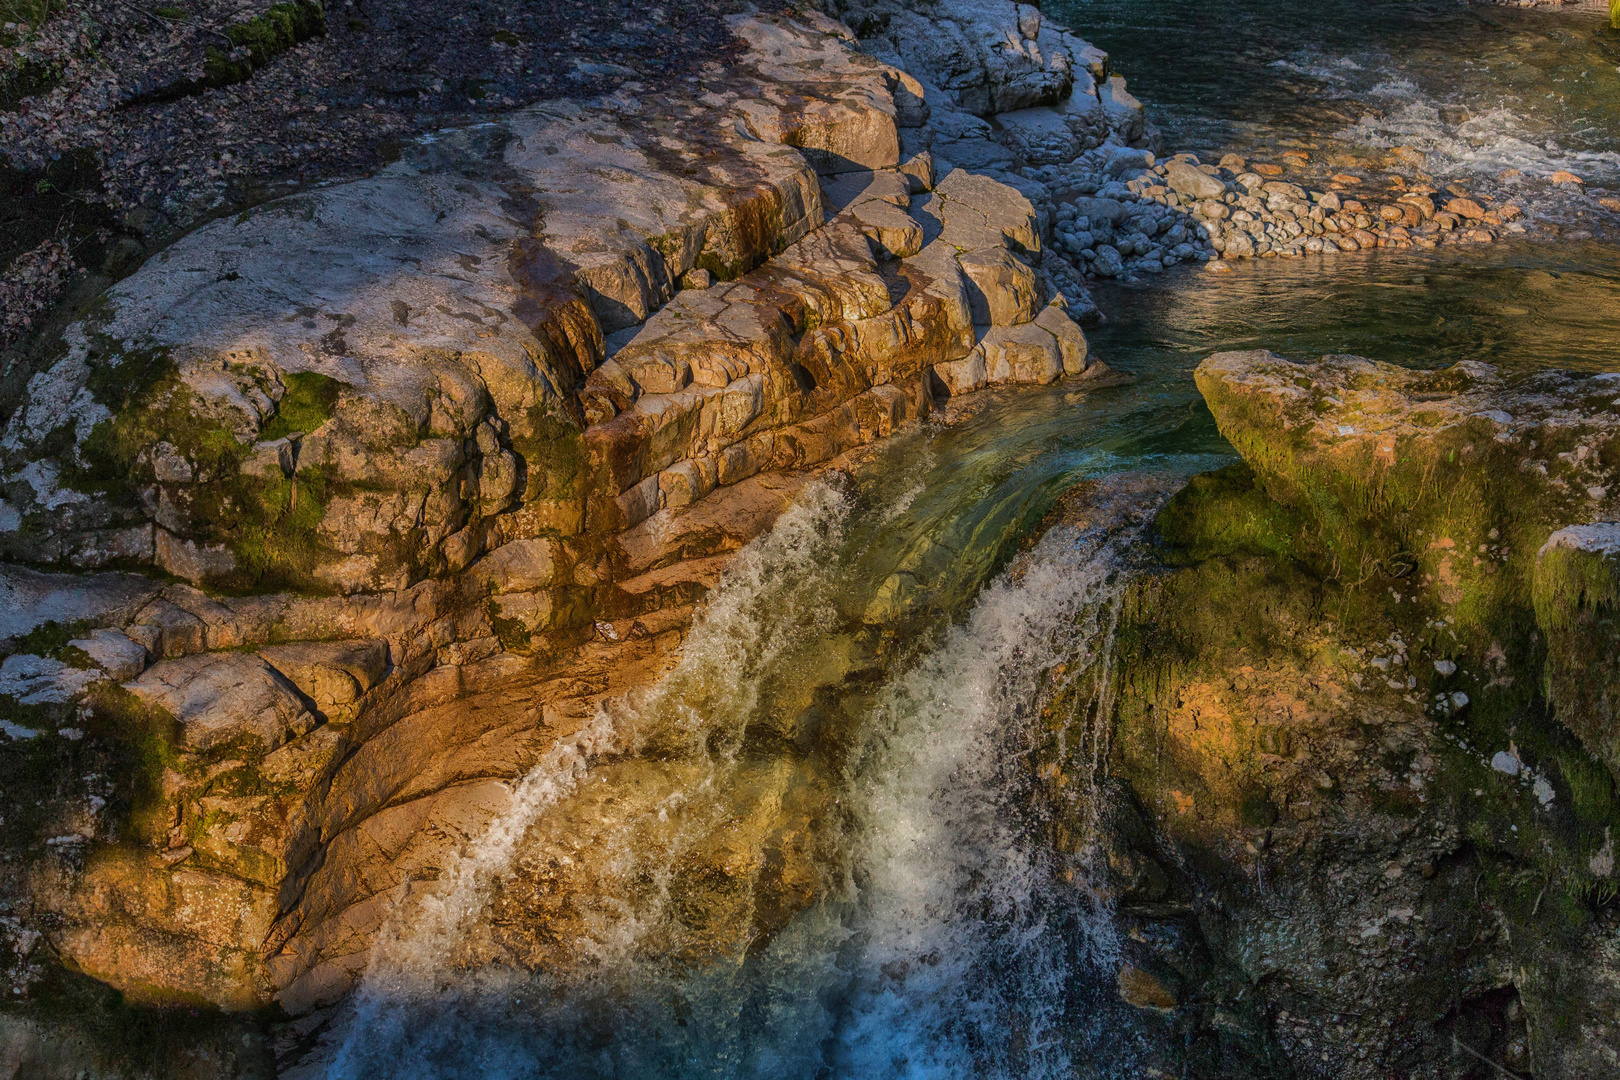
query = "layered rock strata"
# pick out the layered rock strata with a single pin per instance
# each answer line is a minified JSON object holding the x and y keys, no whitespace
{"x":340,"y":512}
{"x":1367,"y":713}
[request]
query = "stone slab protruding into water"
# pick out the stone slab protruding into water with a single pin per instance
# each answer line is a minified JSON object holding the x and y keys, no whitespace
{"x":1450,"y":481}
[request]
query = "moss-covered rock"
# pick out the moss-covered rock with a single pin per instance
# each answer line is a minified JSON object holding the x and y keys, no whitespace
{"x":1339,"y":706}
{"x":1577,"y":597}
{"x":257,"y":41}
{"x":1445,"y":484}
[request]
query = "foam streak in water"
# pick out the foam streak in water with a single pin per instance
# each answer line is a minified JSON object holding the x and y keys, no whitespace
{"x":973,"y":936}
{"x":959,"y":936}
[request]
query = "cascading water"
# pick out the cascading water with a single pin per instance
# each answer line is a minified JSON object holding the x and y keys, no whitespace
{"x":1474,"y":91}
{"x":944,"y":935}
{"x":972,"y":932}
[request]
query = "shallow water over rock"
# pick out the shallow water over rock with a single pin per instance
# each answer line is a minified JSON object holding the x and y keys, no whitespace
{"x":1524,"y":305}
{"x":1461,"y":92}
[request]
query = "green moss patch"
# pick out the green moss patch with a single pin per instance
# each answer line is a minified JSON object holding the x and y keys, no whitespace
{"x":1577,"y":602}
{"x":1248,"y":520}
{"x":1241,"y":601}
{"x":513,"y":635}
{"x":51,"y":638}
{"x":259,"y":40}
{"x":269,"y":523}
{"x":307,"y":403}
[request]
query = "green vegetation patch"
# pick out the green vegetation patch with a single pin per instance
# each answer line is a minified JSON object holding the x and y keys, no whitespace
{"x":308,"y":402}
{"x":263,"y":39}
{"x":270,"y":523}
{"x":1248,"y":521}
{"x":513,"y":635}
{"x":1241,"y":600}
{"x":51,"y":639}
{"x":1577,"y":603}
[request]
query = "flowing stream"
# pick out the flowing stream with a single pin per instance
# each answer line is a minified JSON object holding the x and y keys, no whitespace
{"x":855,"y":701}
{"x":817,"y":848}
{"x":1478,"y":91}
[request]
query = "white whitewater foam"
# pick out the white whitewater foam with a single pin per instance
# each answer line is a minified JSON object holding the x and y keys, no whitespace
{"x":970,"y":934}
{"x":749,"y":620}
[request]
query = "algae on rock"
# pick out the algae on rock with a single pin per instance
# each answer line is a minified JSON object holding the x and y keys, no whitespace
{"x":1332,"y":707}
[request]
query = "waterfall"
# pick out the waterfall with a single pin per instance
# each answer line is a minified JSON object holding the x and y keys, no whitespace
{"x":947,"y":936}
{"x":971,"y":934}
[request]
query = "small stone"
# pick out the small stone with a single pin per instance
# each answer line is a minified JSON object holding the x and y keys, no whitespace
{"x":1192,"y":183}
{"x":1108,"y":262}
{"x":1138,"y":988}
{"x":1445,"y":667}
{"x":1564,"y":177}
{"x":1506,"y":763}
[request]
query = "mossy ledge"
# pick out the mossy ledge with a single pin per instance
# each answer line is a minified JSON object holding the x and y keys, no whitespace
{"x":257,"y":41}
{"x":1366,"y":706}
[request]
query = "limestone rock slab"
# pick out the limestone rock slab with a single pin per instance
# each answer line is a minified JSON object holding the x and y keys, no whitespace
{"x":1001,"y":288}
{"x":220,"y":697}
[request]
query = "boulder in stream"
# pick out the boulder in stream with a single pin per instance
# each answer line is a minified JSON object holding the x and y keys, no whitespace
{"x":1402,"y":588}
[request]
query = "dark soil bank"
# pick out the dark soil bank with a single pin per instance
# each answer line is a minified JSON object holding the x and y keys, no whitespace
{"x":123,"y":125}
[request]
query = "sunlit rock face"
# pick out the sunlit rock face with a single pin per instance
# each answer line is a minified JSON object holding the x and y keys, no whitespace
{"x":419,"y":470}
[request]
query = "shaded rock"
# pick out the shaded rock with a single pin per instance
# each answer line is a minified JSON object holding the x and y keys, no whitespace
{"x":1125,"y":113}
{"x":1071,"y":340}
{"x":332,"y":674}
{"x":1108,"y":262}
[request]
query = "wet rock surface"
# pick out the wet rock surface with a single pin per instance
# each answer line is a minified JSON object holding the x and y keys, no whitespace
{"x":349,"y":509}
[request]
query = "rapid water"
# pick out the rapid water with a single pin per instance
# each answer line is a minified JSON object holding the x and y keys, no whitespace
{"x":817,"y":848}
{"x":940,"y":934}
